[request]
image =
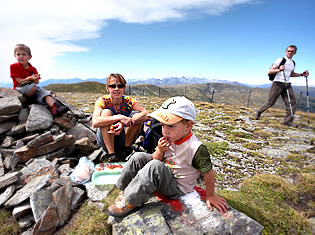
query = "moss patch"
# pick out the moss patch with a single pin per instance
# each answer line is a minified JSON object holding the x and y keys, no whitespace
{"x":292,"y":157}
{"x":8,"y":224}
{"x":217,"y":148}
{"x":264,"y":198}
{"x":252,"y":146}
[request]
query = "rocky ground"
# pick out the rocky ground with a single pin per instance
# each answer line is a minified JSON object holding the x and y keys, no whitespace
{"x":241,"y":148}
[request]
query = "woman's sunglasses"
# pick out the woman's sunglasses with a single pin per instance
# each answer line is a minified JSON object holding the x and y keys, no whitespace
{"x":114,"y":85}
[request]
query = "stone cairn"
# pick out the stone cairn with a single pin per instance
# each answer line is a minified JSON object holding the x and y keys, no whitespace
{"x":37,"y":155}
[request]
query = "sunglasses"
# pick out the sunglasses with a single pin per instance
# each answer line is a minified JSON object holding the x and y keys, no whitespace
{"x":114,"y":86}
{"x":290,"y":51}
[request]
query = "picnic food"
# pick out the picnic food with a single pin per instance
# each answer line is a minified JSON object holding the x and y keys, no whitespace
{"x":111,"y":129}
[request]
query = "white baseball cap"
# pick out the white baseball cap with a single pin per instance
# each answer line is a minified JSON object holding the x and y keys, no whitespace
{"x":174,"y":110}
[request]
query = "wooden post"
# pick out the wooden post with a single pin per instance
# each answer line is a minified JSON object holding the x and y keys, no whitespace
{"x":250,"y":91}
{"x":129,"y":90}
{"x":185,"y":90}
{"x":159,"y":92}
{"x":212,"y":95}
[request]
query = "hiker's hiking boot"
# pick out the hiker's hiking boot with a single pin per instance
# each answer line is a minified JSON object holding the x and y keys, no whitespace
{"x":257,"y":115}
{"x":121,"y":207}
{"x":290,"y":124}
{"x":112,"y":157}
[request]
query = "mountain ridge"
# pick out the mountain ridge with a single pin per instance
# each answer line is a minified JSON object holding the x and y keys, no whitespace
{"x":153,"y":81}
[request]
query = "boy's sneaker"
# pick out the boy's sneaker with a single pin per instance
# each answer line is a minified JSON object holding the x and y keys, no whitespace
{"x":61,"y":109}
{"x":121,"y":207}
{"x":57,"y":110}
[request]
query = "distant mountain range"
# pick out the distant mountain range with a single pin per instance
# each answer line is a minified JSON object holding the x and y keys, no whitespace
{"x":153,"y":81}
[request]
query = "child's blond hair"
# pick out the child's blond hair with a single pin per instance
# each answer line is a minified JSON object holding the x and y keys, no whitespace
{"x":22,"y":47}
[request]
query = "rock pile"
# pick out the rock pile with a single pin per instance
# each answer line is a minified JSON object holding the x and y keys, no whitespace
{"x":37,"y":155}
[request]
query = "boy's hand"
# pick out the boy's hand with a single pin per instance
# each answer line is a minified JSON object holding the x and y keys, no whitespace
{"x":36,"y":78}
{"x":217,"y":202}
{"x":163,"y":144}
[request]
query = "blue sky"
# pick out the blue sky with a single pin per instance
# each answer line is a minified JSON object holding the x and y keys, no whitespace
{"x":235,"y":40}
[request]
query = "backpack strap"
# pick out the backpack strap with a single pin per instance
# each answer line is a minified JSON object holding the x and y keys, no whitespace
{"x":283,"y":61}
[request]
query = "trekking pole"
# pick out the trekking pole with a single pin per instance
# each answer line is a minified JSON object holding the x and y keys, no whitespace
{"x":307,"y":102}
{"x":285,"y":84}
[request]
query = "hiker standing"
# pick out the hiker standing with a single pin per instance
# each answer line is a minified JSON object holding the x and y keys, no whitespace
{"x":283,"y":68}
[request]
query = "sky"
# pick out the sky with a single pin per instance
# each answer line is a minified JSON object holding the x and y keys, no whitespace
{"x":235,"y":40}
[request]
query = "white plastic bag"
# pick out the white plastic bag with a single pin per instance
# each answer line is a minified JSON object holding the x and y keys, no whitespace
{"x":83,"y":171}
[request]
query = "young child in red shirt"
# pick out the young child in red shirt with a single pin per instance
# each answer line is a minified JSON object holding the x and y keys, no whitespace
{"x":25,"y":79}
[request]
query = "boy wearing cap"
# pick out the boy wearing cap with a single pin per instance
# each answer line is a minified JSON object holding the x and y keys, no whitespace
{"x":173,"y":169}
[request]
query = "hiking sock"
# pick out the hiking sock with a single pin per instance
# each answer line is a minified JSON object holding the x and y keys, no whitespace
{"x":53,"y":110}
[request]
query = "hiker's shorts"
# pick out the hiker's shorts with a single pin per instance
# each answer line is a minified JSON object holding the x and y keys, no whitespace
{"x":142,"y":176}
{"x":119,"y":140}
{"x":39,"y":94}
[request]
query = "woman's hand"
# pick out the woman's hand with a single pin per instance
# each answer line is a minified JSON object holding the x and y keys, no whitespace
{"x":126,"y":121}
{"x":116,"y":129}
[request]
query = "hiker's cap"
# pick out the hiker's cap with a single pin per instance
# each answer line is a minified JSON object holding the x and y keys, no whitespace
{"x":174,"y":110}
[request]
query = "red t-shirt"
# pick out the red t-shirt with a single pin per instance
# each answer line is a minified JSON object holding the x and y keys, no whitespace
{"x":18,"y":71}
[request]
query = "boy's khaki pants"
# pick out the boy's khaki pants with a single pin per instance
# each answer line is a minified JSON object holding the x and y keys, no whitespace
{"x":143,"y":176}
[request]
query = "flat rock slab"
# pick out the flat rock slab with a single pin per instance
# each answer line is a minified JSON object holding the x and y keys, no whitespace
{"x":189,"y":215}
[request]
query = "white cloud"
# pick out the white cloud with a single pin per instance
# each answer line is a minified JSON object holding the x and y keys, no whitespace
{"x":51,"y":28}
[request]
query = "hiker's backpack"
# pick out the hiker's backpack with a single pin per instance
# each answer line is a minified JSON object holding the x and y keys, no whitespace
{"x":152,"y":132}
{"x":273,"y":75}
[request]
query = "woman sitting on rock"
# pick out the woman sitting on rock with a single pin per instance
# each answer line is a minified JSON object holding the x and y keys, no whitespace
{"x":118,"y":118}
